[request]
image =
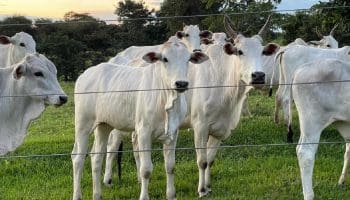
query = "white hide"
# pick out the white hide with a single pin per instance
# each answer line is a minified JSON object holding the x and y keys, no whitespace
{"x":24,"y":80}
{"x":21,"y":44}
{"x":290,"y":59}
{"x":320,"y":105}
{"x":215,"y":112}
{"x":190,"y":36}
{"x":151,"y":114}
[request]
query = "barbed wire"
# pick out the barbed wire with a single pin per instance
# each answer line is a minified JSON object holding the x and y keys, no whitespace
{"x":158,"y":18}
{"x":174,"y":149}
{"x":168,"y":89}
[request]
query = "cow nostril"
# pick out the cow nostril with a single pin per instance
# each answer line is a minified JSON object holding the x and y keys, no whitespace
{"x":63,"y":99}
{"x":253,"y":75}
{"x":181,"y":84}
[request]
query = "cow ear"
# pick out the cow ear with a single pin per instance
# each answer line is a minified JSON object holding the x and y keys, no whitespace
{"x":206,"y":41}
{"x":4,"y":39}
{"x":230,"y":49}
{"x":152,"y":57}
{"x":19,"y":71}
{"x":205,"y":34}
{"x":198,"y":57}
{"x":270,"y":49}
{"x":314,"y":43}
{"x":180,"y":34}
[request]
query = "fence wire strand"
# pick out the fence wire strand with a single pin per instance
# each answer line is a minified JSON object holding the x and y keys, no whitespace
{"x":175,"y":149}
{"x":157,"y":18}
{"x":189,"y":88}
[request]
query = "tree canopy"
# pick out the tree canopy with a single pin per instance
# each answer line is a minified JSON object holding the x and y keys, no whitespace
{"x":80,"y":40}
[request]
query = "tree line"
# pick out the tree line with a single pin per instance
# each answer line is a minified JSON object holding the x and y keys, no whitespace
{"x":74,"y":47}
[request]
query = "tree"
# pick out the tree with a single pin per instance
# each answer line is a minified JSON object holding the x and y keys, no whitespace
{"x":181,"y":8}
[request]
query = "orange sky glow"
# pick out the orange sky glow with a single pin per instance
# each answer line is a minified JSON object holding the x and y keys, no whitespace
{"x":102,"y":9}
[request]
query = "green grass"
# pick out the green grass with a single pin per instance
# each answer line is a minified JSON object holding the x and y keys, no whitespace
{"x":238,"y":173}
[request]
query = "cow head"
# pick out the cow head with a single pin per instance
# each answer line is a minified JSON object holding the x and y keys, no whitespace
{"x":21,"y":44}
{"x":174,"y":58}
{"x":326,"y":41}
{"x":191,"y":36}
{"x":37,"y":77}
{"x":249,"y":52}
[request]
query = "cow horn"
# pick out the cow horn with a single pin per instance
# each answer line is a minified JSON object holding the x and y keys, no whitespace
{"x":263,"y":30}
{"x":228,"y":28}
{"x":333,"y":29}
{"x":319,"y":34}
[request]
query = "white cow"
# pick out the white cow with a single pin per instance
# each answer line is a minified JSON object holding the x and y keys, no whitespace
{"x":13,"y":49}
{"x":327,"y":41}
{"x":320,"y":105}
{"x":215,"y":112}
{"x":217,"y":38}
{"x":190,"y":36}
{"x":151,"y":114}
{"x":33,"y":80}
{"x":290,"y":59}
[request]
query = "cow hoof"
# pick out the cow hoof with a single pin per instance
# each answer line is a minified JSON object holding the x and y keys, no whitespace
{"x":341,"y":185}
{"x":108,"y":183}
{"x":203,"y":193}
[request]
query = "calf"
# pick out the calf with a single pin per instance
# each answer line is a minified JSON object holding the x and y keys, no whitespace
{"x":151,"y":114}
{"x":33,"y":84}
{"x":13,"y":49}
{"x":320,"y":104}
{"x":290,"y":59}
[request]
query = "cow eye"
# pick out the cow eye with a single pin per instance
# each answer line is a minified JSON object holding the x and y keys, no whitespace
{"x":165,"y":59}
{"x":22,"y":44}
{"x":39,"y":74}
{"x":240,"y":52}
{"x":186,"y":35}
{"x":328,"y":45}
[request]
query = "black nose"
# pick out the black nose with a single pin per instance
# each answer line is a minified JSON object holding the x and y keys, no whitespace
{"x":63,"y":99}
{"x":181,"y":86}
{"x":258,"y":78}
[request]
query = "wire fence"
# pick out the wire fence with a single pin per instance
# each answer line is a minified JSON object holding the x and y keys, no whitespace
{"x":175,"y":17}
{"x":169,"y":89}
{"x":165,"y":89}
{"x":174,"y":149}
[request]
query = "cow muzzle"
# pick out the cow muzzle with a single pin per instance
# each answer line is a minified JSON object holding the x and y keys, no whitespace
{"x":62,"y":99}
{"x":181,"y":86}
{"x":258,"y":78}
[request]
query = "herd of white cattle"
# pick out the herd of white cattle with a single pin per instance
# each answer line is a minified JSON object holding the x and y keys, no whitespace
{"x":162,"y":76}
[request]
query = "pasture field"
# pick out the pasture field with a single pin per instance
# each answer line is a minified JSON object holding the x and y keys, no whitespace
{"x":238,"y":173}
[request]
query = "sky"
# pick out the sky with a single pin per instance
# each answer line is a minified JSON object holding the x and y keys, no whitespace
{"x":102,"y":9}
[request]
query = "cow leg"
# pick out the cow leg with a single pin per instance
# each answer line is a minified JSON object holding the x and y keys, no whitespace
{"x":146,"y":166}
{"x":169,"y":161}
{"x":82,"y":132}
{"x":100,"y":146}
{"x":200,"y":141}
{"x":344,"y":172}
{"x":136,"y":155}
{"x":114,"y":140}
{"x":213,"y":144}
{"x":278,"y":102}
{"x":344,"y":129}
{"x":245,"y":108}
{"x":309,"y":133}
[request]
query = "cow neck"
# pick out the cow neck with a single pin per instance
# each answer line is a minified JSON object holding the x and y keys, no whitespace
{"x":4,"y":55}
{"x":13,"y":55}
{"x":16,"y":113}
{"x":172,"y":103}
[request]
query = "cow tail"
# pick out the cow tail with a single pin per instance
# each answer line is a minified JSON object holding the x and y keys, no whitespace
{"x":290,"y":115}
{"x":119,"y":160}
{"x":279,"y":58}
